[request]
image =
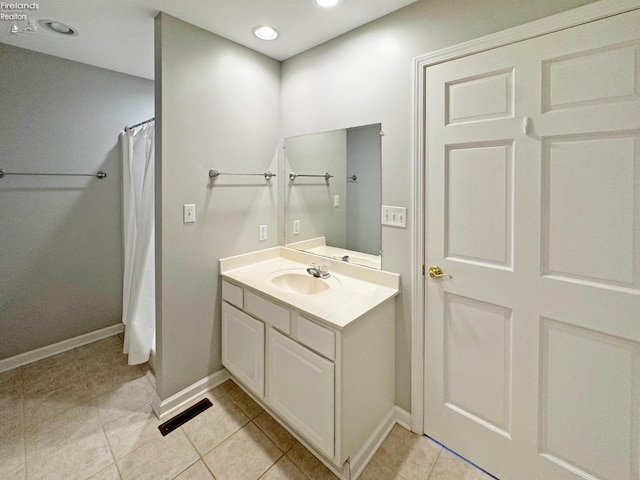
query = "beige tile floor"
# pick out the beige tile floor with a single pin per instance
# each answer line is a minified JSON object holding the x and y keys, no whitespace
{"x":85,"y":414}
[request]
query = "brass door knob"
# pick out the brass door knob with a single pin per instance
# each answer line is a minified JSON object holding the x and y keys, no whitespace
{"x":436,"y":272}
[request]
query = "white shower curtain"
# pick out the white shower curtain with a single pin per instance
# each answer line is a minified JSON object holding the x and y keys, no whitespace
{"x":138,"y":296}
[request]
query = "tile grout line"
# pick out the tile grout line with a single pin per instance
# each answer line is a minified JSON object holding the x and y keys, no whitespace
{"x":200,"y":459}
{"x":201,"y":456}
{"x":433,"y":467}
{"x":115,"y":461}
{"x":252,"y":420}
{"x":284,"y":453}
{"x":274,"y":443}
{"x":24,"y":427}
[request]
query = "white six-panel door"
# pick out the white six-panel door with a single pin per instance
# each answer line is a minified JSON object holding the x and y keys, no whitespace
{"x":532,"y":364}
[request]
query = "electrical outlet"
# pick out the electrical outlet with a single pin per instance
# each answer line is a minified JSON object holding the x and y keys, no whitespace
{"x":263,"y":232}
{"x":394,"y":216}
{"x":188,"y":213}
{"x":296,"y":227}
{"x":336,"y":201}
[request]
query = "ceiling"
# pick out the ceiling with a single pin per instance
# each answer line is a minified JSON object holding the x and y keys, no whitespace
{"x":118,"y":34}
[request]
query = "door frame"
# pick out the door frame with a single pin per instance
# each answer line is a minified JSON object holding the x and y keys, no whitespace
{"x":571,"y":18}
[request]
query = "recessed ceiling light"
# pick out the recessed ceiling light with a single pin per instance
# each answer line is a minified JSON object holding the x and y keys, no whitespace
{"x":327,"y":3}
{"x":58,"y":27}
{"x":265,"y":32}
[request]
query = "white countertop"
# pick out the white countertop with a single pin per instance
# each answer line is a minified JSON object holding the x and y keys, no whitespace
{"x":319,"y":246}
{"x":360,"y":289}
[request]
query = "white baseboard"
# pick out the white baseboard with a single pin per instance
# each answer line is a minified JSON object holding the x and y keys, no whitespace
{"x":164,"y":408}
{"x":395,"y":416}
{"x":360,"y":461}
{"x":403,"y":418}
{"x":56,"y":348}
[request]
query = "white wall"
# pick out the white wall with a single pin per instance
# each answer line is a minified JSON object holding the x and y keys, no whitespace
{"x":365,"y":77}
{"x":217,"y":107}
{"x":61,"y":237}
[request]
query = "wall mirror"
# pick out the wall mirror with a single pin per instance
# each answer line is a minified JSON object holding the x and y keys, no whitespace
{"x":333,"y":194}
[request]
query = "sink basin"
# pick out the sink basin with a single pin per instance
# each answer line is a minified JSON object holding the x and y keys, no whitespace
{"x":299,"y":282}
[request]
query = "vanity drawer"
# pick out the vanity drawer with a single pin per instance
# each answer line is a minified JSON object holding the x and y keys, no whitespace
{"x":232,"y":294}
{"x":275,"y":315}
{"x":316,"y":337}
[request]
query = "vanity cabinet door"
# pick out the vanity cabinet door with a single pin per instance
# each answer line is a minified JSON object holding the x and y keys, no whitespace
{"x":300,"y":387}
{"x":243,"y":347}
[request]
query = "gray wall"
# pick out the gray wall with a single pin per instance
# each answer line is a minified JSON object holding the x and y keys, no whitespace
{"x":218,"y":107}
{"x":363,"y":196}
{"x":309,"y":199}
{"x":61,"y":237}
{"x":366,"y":76}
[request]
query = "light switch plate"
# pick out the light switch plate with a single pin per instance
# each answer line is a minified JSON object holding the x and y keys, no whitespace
{"x":394,"y":216}
{"x":263,"y":233}
{"x":296,"y":227}
{"x":188,"y":213}
{"x":336,"y":201}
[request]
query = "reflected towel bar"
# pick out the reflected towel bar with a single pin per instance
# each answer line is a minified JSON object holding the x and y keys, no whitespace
{"x":353,"y":178}
{"x":293,"y":176}
{"x":213,"y":174}
{"x":131,"y":127}
{"x":100,"y":174}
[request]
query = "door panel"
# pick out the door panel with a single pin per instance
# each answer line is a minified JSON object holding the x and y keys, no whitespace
{"x":484,"y":97}
{"x":477,"y":349}
{"x":588,"y":78}
{"x":605,"y":420}
{"x":532,"y":366}
{"x":589,"y":190}
{"x":478,"y":203}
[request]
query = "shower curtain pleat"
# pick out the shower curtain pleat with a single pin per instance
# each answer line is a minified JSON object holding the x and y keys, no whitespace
{"x":138,"y":295}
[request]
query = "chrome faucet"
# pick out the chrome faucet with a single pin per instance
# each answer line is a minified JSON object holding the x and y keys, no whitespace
{"x":318,"y":272}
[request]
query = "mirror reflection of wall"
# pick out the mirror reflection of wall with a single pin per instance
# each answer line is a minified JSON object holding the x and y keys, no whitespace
{"x":309,"y":200}
{"x":363,"y":189}
{"x":338,"y":216}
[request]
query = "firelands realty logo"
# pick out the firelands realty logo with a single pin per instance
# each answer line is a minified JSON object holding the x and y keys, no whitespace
{"x":17,"y":14}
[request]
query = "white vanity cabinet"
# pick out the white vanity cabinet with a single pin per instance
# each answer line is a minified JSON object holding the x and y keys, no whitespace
{"x":333,"y":387}
{"x":243,"y":347}
{"x":301,"y":388}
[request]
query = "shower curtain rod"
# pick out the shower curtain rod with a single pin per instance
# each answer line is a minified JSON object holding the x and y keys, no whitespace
{"x":139,"y":124}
